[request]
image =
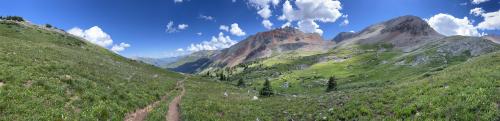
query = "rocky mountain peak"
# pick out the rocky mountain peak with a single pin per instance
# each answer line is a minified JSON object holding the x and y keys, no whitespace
{"x":343,"y":36}
{"x":408,"y":24}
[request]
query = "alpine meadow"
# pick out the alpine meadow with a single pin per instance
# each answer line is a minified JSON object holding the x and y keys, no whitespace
{"x":249,"y":60}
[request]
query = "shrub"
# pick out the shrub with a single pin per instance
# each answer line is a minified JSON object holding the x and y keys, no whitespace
{"x":332,"y":84}
{"x":241,"y":83}
{"x":48,"y":25}
{"x":266,"y":91}
{"x":13,"y":18}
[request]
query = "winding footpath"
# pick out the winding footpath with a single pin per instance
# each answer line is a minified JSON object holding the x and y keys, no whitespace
{"x":141,"y":114}
{"x":173,"y":113}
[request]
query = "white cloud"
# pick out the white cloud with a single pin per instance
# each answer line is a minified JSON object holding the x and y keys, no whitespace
{"x":345,"y":22}
{"x":199,"y":33}
{"x":463,"y":4}
{"x":310,"y":26}
{"x":171,"y":28}
{"x":180,"y":50}
{"x":208,"y":18}
{"x":97,"y":36}
{"x":449,"y":25}
{"x":287,"y":24}
{"x":264,"y":10}
{"x":479,"y":1}
{"x":476,"y":11}
{"x":183,"y":26}
{"x":216,"y":43}
{"x":178,"y":1}
{"x":94,"y":35}
{"x":120,"y":47}
{"x":236,"y":30}
{"x":310,"y":11}
{"x":224,"y":28}
{"x":491,"y":21}
{"x":267,"y":24}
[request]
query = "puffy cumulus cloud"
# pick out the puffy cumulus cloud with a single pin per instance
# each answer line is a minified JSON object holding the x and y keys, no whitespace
{"x":264,"y":10}
{"x":479,"y":1}
{"x":449,"y":25}
{"x":476,"y":11}
{"x":119,"y":47}
{"x":267,"y":24}
{"x":310,"y":11}
{"x":491,"y":21}
{"x":94,"y":35}
{"x":180,"y":50}
{"x":216,"y":43}
{"x":236,"y":30}
{"x":182,"y":26}
{"x":310,"y":26}
{"x":97,"y":36}
{"x":224,"y":28}
{"x":199,"y":33}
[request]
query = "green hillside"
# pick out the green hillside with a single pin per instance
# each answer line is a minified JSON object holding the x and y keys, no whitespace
{"x":49,"y":75}
{"x":457,"y":80}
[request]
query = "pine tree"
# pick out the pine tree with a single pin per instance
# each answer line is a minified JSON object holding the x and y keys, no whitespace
{"x":266,"y":91}
{"x":332,"y":84}
{"x":241,"y":83}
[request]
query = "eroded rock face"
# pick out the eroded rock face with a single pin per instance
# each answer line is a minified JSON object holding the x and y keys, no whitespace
{"x":405,"y":32}
{"x":265,"y":44}
{"x":343,"y":36}
{"x":446,"y":49}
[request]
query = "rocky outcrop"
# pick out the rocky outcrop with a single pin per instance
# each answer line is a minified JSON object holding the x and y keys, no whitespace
{"x":450,"y":49}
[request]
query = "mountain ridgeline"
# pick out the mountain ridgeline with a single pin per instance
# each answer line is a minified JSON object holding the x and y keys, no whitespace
{"x":405,"y":33}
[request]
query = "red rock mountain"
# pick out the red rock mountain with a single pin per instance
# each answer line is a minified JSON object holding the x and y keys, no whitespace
{"x":266,"y":44}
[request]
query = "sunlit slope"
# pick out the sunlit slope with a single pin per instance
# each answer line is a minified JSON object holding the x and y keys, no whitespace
{"x":49,"y":75}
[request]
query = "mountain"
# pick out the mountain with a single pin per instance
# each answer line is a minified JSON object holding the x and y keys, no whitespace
{"x":194,"y":62}
{"x":395,"y":70}
{"x":493,"y":38}
{"x":343,"y":36}
{"x":267,"y":44}
{"x":157,"y":61}
{"x":47,"y":74}
{"x":405,"y":32}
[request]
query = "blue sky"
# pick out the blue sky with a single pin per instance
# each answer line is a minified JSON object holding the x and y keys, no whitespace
{"x":143,"y":24}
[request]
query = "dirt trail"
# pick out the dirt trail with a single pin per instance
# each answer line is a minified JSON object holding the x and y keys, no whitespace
{"x":140,"y":114}
{"x":173,"y":113}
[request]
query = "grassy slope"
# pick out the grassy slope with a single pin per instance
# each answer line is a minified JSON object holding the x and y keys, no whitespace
{"x":53,"y":76}
{"x":370,"y":87}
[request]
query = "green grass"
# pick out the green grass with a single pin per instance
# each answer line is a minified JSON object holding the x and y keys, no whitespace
{"x":53,"y":76}
{"x":370,"y":87}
